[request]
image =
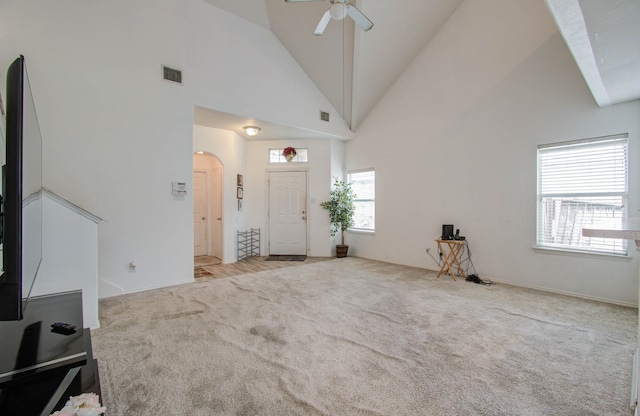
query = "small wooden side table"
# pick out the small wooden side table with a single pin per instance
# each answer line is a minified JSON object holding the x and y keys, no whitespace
{"x":451,"y":250}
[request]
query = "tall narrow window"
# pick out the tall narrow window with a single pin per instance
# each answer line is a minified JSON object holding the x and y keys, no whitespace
{"x":581,"y":183}
{"x":363,"y":183}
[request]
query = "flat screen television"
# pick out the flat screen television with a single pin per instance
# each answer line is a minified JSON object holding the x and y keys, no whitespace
{"x":21,"y":213}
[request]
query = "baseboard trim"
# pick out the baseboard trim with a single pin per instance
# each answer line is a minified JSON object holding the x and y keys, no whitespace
{"x":107,"y":289}
{"x":562,"y":292}
{"x":154,"y":287}
{"x":526,"y":286}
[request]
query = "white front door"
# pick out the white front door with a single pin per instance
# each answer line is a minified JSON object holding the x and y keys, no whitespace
{"x":200,"y":213}
{"x":288,"y":213}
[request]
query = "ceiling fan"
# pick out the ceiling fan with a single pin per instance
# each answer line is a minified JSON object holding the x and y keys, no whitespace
{"x":338,"y":11}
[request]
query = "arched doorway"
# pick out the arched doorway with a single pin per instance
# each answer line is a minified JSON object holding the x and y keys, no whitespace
{"x":207,"y":207}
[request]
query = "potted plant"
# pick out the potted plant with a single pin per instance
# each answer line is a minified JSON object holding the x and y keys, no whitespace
{"x":341,"y":211}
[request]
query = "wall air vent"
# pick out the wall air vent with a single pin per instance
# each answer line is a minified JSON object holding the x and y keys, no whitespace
{"x":324,"y":116}
{"x":170,"y":74}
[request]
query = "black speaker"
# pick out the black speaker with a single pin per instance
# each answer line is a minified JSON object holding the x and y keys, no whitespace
{"x":447,"y":232}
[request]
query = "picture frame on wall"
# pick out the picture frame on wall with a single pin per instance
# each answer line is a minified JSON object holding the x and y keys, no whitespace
{"x":239,"y":204}
{"x":240,"y":180}
{"x":239,"y":192}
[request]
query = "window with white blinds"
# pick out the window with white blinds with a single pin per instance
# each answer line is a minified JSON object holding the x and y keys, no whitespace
{"x":363,"y":184}
{"x":581,"y":183}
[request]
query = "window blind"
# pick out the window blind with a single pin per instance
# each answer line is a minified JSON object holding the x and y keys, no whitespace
{"x":582,"y":183}
{"x":363,"y":184}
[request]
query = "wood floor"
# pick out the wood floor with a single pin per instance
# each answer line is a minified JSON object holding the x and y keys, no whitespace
{"x":248,"y":265}
{"x":200,"y":261}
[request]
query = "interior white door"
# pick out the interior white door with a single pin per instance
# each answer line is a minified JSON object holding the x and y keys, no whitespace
{"x":288,"y":213}
{"x":216,"y":209}
{"x":200,"y":213}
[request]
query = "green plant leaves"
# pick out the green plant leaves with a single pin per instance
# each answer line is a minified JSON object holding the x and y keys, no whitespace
{"x":341,"y":207}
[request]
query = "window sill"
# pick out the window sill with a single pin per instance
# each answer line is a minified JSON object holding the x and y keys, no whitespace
{"x":583,"y":254}
{"x":368,"y":232}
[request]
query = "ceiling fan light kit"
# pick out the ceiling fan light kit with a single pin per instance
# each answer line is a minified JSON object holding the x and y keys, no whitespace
{"x":338,"y":11}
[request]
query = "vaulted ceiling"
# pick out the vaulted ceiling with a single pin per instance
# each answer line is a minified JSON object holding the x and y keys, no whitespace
{"x":354,"y":69}
{"x":604,"y":38}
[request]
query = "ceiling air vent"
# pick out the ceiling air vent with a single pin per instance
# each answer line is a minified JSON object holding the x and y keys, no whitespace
{"x":324,"y":116}
{"x":173,"y":75}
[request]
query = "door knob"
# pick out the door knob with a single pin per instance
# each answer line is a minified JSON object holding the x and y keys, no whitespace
{"x":203,"y":218}
{"x":219,"y":218}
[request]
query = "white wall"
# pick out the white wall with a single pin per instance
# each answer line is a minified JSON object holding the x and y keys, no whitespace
{"x":115,"y":135}
{"x":69,"y":254}
{"x":319,"y":171}
{"x":231,"y":149}
{"x":454,"y":141}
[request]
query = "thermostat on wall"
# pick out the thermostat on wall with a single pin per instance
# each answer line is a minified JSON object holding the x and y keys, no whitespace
{"x":179,"y":190}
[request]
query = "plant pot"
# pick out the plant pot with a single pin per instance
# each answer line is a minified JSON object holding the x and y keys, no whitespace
{"x":341,"y":251}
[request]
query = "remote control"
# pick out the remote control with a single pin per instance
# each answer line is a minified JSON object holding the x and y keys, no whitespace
{"x":63,"y":328}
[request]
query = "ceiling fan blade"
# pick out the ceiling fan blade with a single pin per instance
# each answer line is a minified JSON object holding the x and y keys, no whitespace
{"x":360,"y":19}
{"x":326,"y":17}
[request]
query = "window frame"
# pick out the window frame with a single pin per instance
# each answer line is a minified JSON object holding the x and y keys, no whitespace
{"x":349,"y":174}
{"x":281,"y":159}
{"x":578,"y":200}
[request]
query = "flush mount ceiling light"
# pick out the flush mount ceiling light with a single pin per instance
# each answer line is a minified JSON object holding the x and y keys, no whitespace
{"x":252,"y":130}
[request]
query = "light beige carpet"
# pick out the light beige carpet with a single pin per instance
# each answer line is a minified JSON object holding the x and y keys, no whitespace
{"x":358,"y":337}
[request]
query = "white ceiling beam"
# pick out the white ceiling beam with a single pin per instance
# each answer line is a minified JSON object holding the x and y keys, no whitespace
{"x":570,"y":21}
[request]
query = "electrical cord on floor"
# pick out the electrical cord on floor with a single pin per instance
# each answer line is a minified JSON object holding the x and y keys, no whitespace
{"x":463,"y":270}
{"x":472,"y":277}
{"x":465,"y":260}
{"x":438,"y":262}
